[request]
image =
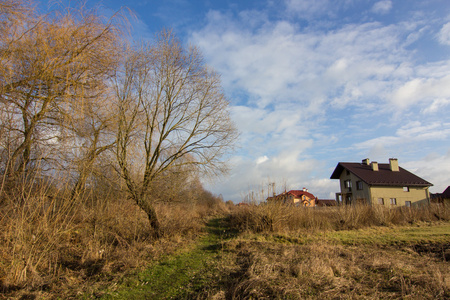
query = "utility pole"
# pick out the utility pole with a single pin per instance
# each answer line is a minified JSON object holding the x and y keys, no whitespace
{"x":273,"y":189}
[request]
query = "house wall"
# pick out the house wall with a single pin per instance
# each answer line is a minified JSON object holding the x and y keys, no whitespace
{"x":361,"y":196}
{"x":417,"y":195}
{"x":307,"y":201}
{"x":370,"y":195}
{"x":304,"y":201}
{"x":292,"y":200}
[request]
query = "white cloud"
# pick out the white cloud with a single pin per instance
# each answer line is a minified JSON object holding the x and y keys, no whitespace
{"x":437,"y":105}
{"x":287,"y":83}
{"x":422,"y":89}
{"x":281,"y":64}
{"x":412,"y":133}
{"x":408,"y":93}
{"x":266,"y":130}
{"x":444,"y":34}
{"x":261,"y":159}
{"x":434,"y":168}
{"x":247,"y":176}
{"x":382,"y":7}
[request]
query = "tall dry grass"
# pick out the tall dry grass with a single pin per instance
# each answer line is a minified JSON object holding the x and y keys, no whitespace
{"x":321,"y":270}
{"x":277,"y":217}
{"x":51,"y":243}
{"x":32,"y":225}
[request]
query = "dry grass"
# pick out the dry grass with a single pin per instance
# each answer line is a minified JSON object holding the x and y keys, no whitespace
{"x":52,"y":245}
{"x":276,"y":217}
{"x":321,"y":270}
{"x":335,"y":253}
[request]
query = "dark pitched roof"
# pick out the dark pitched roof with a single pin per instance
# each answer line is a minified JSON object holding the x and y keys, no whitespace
{"x":446,"y":193}
{"x":383,"y":177}
{"x":326,"y":202}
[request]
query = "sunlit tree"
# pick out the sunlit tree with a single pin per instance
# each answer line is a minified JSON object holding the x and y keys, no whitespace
{"x":53,"y":69}
{"x":172,"y":115}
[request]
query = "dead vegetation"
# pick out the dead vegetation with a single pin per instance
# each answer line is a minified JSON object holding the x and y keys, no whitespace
{"x":353,"y":252}
{"x":51,"y":246}
{"x":266,"y":269}
{"x":276,"y":217}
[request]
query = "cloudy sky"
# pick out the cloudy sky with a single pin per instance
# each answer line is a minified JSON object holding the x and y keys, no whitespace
{"x":315,"y":82}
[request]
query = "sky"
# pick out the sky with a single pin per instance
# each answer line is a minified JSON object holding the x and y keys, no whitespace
{"x":315,"y":82}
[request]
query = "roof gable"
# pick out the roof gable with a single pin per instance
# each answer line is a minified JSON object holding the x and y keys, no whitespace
{"x":383,"y":177}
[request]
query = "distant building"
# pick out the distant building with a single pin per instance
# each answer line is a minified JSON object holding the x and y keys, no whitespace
{"x":380,"y":184}
{"x":441,"y":197}
{"x":295,"y":197}
{"x":325,"y":202}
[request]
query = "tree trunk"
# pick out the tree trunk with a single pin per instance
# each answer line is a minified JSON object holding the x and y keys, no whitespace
{"x":148,"y":208}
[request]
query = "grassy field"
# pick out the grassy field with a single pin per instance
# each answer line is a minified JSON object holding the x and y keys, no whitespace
{"x":401,"y":262}
{"x":227,"y":252}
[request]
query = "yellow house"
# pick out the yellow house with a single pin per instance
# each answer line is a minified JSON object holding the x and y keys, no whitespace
{"x":379,"y":184}
{"x":295,"y":197}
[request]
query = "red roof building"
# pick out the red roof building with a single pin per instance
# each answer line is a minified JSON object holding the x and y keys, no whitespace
{"x":295,"y":197}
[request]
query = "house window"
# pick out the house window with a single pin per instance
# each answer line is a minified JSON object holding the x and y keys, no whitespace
{"x":393,"y":201}
{"x":408,"y":203}
{"x":406,"y":189}
{"x":348,"y":184}
{"x":348,"y":172}
{"x":381,"y":201}
{"x":359,"y":185}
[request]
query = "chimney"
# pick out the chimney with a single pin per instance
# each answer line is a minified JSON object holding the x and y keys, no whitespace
{"x":393,"y":163}
{"x":365,"y":161}
{"x":304,"y":189}
{"x":374,"y":166}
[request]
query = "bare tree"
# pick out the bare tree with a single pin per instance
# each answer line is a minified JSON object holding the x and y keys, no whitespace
{"x":49,"y":66}
{"x":86,"y":133}
{"x":172,"y":114}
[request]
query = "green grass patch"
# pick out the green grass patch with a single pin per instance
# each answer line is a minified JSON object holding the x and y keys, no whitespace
{"x":180,"y":275}
{"x":220,"y":264}
{"x":392,"y":235}
{"x":172,"y":277}
{"x":398,"y":235}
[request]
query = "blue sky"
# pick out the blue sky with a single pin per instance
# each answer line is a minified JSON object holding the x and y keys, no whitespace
{"x":312,"y":83}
